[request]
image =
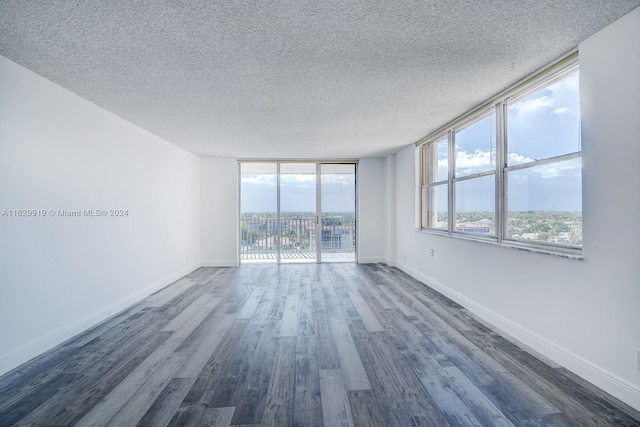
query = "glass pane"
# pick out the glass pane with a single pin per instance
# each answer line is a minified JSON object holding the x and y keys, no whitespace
{"x":298,"y":212}
{"x":545,"y":203}
{"x":476,"y":147}
{"x":443,"y":161}
{"x":435,"y":209}
{"x":258,"y":212}
{"x":546,"y":123}
{"x":426,"y":164}
{"x":475,"y":206}
{"x":435,"y":161}
{"x":338,"y":203}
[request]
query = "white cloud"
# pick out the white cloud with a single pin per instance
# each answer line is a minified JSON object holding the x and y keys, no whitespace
{"x":481,"y":161}
{"x":517,"y":159}
{"x":443,"y":168}
{"x":478,"y":161}
{"x":553,"y":170}
{"x":548,"y":171}
{"x":269,"y":179}
{"x":262,"y":179}
{"x":345,"y":179}
{"x":569,"y":83}
{"x":301,"y":178}
{"x":532,"y":105}
{"x":559,"y":98}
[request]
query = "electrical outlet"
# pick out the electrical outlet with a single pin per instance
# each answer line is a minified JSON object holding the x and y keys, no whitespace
{"x":405,"y":257}
{"x":638,"y":360}
{"x":431,"y":252}
{"x":187,"y":260}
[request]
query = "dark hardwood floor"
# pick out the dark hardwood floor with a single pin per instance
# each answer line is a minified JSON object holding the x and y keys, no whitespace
{"x":305,"y":345}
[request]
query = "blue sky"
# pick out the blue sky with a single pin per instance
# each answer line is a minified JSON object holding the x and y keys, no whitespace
{"x":298,"y":192}
{"x":544,"y":124}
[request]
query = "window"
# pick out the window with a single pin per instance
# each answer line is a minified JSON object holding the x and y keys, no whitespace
{"x":435,"y":184}
{"x":474,"y":180}
{"x":543,"y":175}
{"x":511,"y":171}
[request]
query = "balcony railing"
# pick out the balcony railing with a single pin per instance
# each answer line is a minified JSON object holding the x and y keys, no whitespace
{"x":299,"y":237}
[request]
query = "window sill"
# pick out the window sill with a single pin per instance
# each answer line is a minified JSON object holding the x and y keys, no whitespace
{"x":557,"y":252}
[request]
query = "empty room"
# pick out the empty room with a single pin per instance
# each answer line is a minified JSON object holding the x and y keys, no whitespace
{"x":336,"y":213}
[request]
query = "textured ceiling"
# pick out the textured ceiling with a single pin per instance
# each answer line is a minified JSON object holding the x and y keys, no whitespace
{"x":293,"y":79}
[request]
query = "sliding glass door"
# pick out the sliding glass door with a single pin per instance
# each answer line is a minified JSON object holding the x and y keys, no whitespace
{"x":338,"y":218}
{"x":297,"y":212}
{"x":259,"y":212}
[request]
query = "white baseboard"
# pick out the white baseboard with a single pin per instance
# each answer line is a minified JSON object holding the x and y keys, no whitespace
{"x":600,"y":377}
{"x":51,"y":340}
{"x":371,"y":260}
{"x":390,"y":262}
{"x":220,"y":263}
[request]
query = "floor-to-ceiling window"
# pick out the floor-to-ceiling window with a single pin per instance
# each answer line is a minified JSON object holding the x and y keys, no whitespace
{"x":297,"y":212}
{"x":259,"y":211}
{"x":338,"y":201}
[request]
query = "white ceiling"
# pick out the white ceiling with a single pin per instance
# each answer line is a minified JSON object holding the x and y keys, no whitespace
{"x":293,"y":79}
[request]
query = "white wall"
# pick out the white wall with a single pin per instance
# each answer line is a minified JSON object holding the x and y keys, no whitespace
{"x":390,"y":209}
{"x":219,"y":217}
{"x":371,"y":210}
{"x":583,"y":314}
{"x":61,"y":275}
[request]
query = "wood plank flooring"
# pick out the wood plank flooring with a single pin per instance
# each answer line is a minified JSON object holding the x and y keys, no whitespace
{"x":303,"y":345}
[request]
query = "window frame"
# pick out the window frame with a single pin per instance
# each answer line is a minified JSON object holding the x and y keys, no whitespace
{"x":455,"y":179}
{"x":498,"y":105}
{"x":429,"y":185}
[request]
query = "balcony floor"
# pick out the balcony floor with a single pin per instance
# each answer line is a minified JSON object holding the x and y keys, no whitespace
{"x":291,"y":257}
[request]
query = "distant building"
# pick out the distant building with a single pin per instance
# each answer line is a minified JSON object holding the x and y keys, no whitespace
{"x":477,"y":228}
{"x":301,"y":234}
